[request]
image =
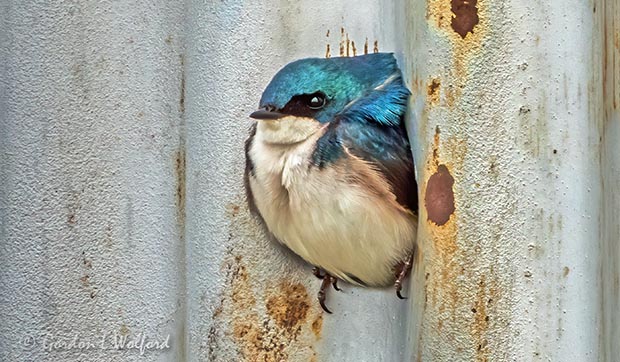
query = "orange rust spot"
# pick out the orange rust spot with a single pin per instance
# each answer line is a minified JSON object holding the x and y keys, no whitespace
{"x":257,"y":346}
{"x":465,"y":16}
{"x":445,"y":16}
{"x":432,"y":91}
{"x":439,"y":197}
{"x":289,"y":308}
{"x":256,"y":340}
{"x":283,"y":330}
{"x":317,"y":326}
{"x":242,"y":295}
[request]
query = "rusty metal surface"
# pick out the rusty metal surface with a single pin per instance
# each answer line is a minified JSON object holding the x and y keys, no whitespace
{"x":509,"y":102}
{"x":91,"y":177}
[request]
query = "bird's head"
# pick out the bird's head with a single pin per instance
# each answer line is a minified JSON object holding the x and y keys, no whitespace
{"x":308,"y":93}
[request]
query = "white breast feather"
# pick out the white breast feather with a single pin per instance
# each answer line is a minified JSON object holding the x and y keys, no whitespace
{"x":342,"y":227}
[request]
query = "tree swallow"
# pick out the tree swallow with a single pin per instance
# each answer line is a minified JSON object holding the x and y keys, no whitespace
{"x":329,"y":168}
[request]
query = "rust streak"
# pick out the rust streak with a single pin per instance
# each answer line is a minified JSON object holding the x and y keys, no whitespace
{"x":348,"y":44}
{"x":342,"y":42}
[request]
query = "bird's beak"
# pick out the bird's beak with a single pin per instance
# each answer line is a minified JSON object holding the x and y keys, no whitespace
{"x":263,"y":113}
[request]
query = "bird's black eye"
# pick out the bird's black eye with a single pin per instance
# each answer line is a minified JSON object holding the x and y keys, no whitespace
{"x":316,"y":101}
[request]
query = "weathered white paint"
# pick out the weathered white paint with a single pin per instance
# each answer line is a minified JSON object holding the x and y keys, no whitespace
{"x":105,"y":228}
{"x":90,"y":241}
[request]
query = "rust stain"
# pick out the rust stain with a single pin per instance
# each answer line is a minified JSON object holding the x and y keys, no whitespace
{"x":348,"y":44}
{"x":317,"y":326}
{"x":442,"y":286}
{"x":289,"y":308}
{"x":366,"y":46}
{"x":439,"y":197}
{"x":232,"y":209}
{"x":180,"y":166}
{"x":565,"y":271}
{"x":328,"y":52}
{"x":327,"y":35}
{"x":353,"y":48}
{"x":481,"y":320}
{"x":432,"y":91}
{"x":342,"y":37}
{"x":179,"y":169}
{"x":182,"y":96}
{"x":465,"y":16}
{"x":86,"y":279}
{"x":375,"y":48}
{"x":444,"y":16}
{"x":288,"y":326}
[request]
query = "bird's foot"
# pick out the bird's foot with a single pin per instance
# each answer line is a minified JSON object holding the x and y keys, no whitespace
{"x":326,"y":281}
{"x":402,"y":270}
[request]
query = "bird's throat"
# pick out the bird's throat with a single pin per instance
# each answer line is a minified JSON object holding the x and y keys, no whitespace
{"x":287,"y":130}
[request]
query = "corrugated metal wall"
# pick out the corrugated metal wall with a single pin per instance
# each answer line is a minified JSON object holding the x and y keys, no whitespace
{"x":123,"y":211}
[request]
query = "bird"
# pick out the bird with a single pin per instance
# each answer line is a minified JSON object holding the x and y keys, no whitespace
{"x":329,"y":169}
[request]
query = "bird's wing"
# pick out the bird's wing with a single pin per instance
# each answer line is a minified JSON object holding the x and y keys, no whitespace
{"x":386,"y":147}
{"x":249,"y":170}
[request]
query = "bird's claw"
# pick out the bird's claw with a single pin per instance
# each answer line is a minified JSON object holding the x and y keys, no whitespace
{"x":335,"y":283}
{"x":322,"y":292}
{"x":326,"y":281}
{"x":317,"y":273}
{"x":401,"y":273}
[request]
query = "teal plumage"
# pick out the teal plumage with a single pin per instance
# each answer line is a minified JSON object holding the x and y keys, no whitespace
{"x":329,"y":167}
